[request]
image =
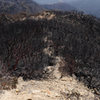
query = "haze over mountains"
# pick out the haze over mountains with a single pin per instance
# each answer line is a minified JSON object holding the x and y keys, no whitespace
{"x":30,"y":6}
{"x":59,"y":6}
{"x":19,"y":6}
{"x":87,"y":6}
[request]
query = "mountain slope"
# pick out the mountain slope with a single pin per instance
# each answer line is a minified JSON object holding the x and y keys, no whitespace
{"x":18,"y":6}
{"x":59,"y":6}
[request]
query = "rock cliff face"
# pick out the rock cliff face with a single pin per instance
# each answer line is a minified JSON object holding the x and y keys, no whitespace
{"x":19,"y":6}
{"x":65,"y":44}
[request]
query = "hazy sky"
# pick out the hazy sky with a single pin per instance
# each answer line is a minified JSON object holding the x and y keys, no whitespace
{"x":53,"y":1}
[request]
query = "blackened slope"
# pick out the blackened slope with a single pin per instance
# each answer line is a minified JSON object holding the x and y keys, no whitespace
{"x":75,"y":37}
{"x":78,"y":35}
{"x":19,"y":6}
{"x":23,"y":48}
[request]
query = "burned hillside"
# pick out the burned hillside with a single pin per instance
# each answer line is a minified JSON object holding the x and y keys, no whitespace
{"x":28,"y":46}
